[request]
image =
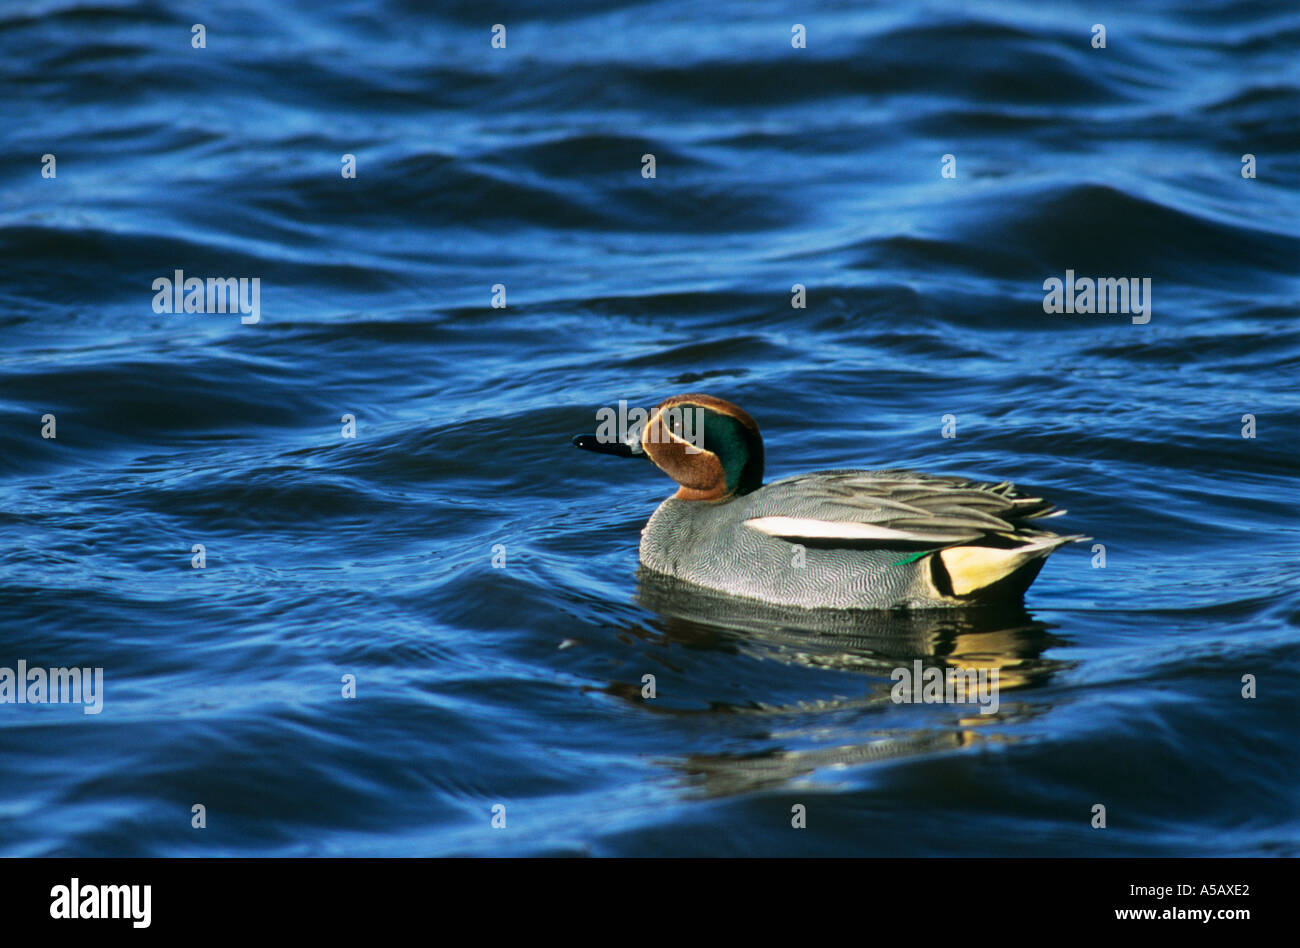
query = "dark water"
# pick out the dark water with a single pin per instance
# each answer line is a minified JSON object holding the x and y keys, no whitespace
{"x":521,"y":686}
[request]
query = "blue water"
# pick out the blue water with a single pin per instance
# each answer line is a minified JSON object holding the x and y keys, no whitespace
{"x":521,"y":686}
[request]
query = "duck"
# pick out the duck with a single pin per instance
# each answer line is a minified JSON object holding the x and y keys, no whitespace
{"x":836,"y":539}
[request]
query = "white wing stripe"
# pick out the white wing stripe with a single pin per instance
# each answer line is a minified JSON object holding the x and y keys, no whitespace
{"x":846,"y":530}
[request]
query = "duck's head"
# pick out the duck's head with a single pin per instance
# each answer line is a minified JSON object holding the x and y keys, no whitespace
{"x":709,"y":446}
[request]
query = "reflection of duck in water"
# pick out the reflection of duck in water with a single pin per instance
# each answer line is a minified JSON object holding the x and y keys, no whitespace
{"x":834,"y":539}
{"x":855,"y":724}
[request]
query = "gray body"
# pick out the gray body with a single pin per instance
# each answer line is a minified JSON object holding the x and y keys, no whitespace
{"x":707,"y":542}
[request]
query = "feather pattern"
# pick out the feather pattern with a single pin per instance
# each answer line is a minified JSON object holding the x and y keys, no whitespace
{"x":897,"y":506}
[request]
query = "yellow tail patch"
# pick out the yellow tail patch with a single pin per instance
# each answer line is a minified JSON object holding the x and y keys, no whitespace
{"x":975,"y":567}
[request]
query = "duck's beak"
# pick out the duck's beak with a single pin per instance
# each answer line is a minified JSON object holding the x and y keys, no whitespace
{"x":630,"y":448}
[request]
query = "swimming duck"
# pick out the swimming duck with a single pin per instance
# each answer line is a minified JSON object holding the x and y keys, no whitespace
{"x":840,"y":539}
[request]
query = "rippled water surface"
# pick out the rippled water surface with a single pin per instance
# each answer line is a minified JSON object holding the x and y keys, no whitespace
{"x":522,"y":686}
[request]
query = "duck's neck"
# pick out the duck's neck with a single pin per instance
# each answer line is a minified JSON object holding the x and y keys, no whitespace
{"x":713,"y":493}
